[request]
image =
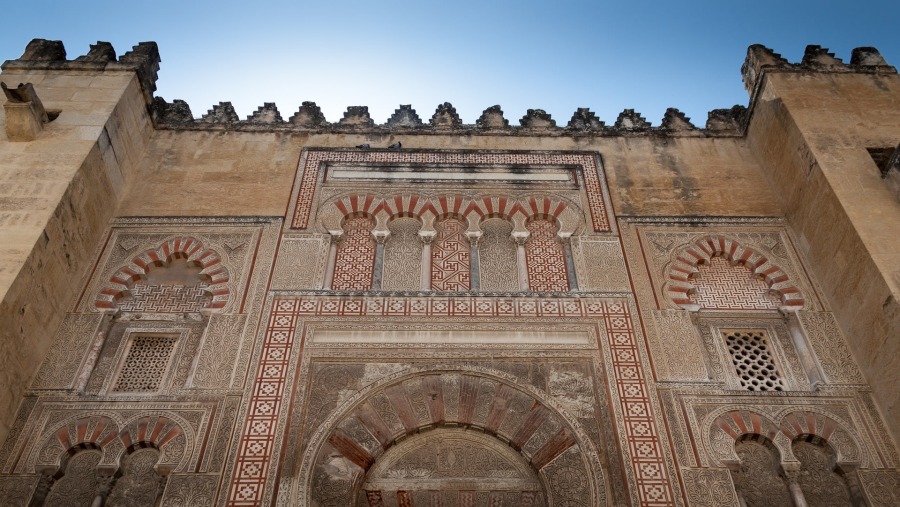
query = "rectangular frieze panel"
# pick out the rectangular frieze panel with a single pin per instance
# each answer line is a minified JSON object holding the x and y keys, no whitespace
{"x":68,"y":351}
{"x":17,"y":489}
{"x":709,"y":487}
{"x":828,"y":342}
{"x":679,"y":354}
{"x":882,"y":487}
{"x":190,"y":489}
{"x":221,"y":343}
{"x":300,"y":263}
{"x":601,"y":266}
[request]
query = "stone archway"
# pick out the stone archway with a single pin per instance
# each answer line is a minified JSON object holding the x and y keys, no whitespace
{"x":451,"y":466}
{"x":527,"y":448}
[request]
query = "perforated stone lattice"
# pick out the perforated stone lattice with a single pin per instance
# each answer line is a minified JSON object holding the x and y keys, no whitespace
{"x":146,"y":364}
{"x":752,"y":360}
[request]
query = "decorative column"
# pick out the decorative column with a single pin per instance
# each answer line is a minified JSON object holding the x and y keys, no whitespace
{"x":335,"y":238}
{"x":427,"y":237}
{"x":804,"y":351}
{"x":104,"y":487}
{"x":521,"y":263}
{"x":792,"y":472}
{"x":474,"y":266}
{"x":94,"y":353}
{"x":381,"y":236}
{"x":566,"y":240}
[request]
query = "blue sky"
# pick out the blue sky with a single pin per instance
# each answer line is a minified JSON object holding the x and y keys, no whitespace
{"x":555,"y":56}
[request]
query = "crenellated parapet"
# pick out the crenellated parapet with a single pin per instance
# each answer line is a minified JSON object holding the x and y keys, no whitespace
{"x":357,"y":119}
{"x":42,"y":54}
{"x":760,"y":60}
{"x":144,"y":60}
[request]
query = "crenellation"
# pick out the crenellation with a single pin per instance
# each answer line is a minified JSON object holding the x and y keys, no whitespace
{"x":176,"y":113}
{"x":266,"y":114}
{"x":819,"y":57}
{"x":43,"y":50}
{"x":357,"y":117}
{"x":537,"y":119}
{"x":99,"y":52}
{"x":308,"y":116}
{"x":445,"y":117}
{"x":676,"y":121}
{"x":868,"y":57}
{"x":585,"y":120}
{"x":223,"y":113}
{"x":630,"y":121}
{"x":727,"y":120}
{"x":492,"y":119}
{"x":404,"y":117}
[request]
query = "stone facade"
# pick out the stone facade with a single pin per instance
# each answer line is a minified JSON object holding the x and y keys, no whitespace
{"x":232,"y":312}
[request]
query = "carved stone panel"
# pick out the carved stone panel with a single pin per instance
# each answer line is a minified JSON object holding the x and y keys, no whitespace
{"x":403,"y":256}
{"x":679,"y":354}
{"x":300,"y":263}
{"x":882,"y":487}
{"x":601,"y":266}
{"x":497,"y":257}
{"x":187,"y":490}
{"x":221,"y":343}
{"x":830,"y":346}
{"x":17,"y":490}
{"x":69,"y":348}
{"x":139,"y":485}
{"x":709,"y":487}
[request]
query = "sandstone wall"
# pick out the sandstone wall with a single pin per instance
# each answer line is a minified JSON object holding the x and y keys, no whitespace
{"x":57,"y":195}
{"x":810,"y":133}
{"x":250,"y":173}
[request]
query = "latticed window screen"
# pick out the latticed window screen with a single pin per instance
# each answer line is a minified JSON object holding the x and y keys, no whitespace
{"x":752,"y":359}
{"x":146,"y":363}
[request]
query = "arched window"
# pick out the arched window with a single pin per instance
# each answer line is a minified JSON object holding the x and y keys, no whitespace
{"x":545,"y":258}
{"x":758,"y":481}
{"x":820,"y":482}
{"x":139,"y":485}
{"x":451,"y":256}
{"x":402,"y":267}
{"x":354,"y":263}
{"x":497,"y":257}
{"x":79,"y":484}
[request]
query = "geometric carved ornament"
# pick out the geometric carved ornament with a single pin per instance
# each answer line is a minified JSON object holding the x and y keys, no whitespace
{"x":717,"y":272}
{"x":126,"y":286}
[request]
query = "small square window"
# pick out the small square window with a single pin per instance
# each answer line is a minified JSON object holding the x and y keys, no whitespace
{"x":146,"y":363}
{"x":753,"y":360}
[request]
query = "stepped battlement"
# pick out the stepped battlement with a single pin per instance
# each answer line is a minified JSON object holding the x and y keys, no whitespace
{"x":144,"y":59}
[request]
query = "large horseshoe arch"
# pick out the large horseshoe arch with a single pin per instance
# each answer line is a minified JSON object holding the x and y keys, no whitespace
{"x":446,"y":445}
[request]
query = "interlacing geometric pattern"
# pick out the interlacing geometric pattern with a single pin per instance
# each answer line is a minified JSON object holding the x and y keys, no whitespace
{"x":752,"y":360}
{"x":451,"y":261}
{"x":706,"y":272}
{"x":167,"y":298}
{"x":721,"y":286}
{"x":146,"y":364}
{"x":545,"y":258}
{"x":355,"y":262}
{"x":253,"y":474}
{"x":212,"y":271}
{"x":313,"y":160}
